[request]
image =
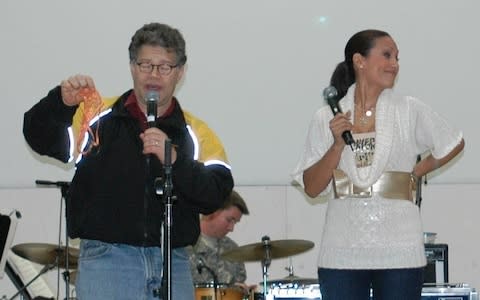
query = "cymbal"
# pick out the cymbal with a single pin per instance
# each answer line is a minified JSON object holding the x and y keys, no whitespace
{"x":278,"y":249}
{"x":46,"y":254}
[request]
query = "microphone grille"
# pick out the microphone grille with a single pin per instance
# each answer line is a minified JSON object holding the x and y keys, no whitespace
{"x":152,"y":96}
{"x":330,"y":93}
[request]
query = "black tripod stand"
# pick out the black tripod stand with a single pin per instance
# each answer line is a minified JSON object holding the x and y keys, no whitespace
{"x":22,"y":290}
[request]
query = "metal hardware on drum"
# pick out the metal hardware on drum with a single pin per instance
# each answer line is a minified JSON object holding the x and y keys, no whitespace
{"x":209,"y":291}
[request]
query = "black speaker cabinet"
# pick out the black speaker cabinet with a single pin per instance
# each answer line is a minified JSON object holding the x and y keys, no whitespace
{"x":436,"y":270}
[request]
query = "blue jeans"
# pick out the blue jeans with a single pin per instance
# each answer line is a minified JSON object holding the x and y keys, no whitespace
{"x":388,"y":284}
{"x":119,"y":271}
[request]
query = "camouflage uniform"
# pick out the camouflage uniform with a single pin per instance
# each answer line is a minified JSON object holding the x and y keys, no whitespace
{"x":209,"y":250}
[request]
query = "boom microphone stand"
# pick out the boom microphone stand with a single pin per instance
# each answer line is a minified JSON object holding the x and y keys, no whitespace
{"x":64,"y":186}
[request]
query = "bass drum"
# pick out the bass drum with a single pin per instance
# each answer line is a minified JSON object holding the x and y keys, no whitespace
{"x":206,"y":291}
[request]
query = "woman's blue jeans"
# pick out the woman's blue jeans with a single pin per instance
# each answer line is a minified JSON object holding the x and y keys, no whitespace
{"x":388,"y":284}
{"x":119,"y":271}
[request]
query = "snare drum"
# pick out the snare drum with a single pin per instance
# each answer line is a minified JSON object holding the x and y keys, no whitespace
{"x":206,"y":291}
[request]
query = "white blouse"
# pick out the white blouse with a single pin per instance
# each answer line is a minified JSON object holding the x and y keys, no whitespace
{"x":377,"y":233}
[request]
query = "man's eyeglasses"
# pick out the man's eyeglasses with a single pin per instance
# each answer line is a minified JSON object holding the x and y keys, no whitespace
{"x":163,"y":69}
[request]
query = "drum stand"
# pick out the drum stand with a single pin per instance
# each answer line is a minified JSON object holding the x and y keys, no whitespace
{"x":267,"y":259}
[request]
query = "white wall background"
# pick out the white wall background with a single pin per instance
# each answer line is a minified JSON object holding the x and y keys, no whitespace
{"x":256,"y":69}
{"x":255,"y":73}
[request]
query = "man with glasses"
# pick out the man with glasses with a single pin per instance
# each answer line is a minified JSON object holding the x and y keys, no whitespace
{"x":113,"y":204}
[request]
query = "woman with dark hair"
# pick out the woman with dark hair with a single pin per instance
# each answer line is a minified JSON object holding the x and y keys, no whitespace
{"x":373,"y":238}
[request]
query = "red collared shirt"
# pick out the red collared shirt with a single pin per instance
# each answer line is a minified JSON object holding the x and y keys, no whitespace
{"x":131,"y":105}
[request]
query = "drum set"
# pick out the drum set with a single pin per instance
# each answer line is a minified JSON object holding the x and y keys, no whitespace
{"x":265,"y":251}
{"x":53,"y":256}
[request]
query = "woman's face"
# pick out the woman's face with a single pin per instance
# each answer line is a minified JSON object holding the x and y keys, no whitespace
{"x":380,"y":67}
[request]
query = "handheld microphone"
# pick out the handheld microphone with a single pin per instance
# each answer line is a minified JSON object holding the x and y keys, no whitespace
{"x":152,"y":98}
{"x":330,"y":95}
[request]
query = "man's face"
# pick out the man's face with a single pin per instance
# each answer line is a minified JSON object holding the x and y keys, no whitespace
{"x":223,"y":221}
{"x":144,"y":81}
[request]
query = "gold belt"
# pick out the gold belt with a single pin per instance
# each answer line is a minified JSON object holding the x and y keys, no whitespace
{"x":391,"y":185}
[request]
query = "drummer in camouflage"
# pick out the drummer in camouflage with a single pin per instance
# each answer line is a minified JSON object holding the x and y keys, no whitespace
{"x":206,"y":263}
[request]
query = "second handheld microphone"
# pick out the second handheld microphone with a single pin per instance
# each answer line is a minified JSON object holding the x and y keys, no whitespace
{"x":330,"y":95}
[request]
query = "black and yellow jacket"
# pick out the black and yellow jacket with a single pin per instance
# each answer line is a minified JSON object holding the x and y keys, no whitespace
{"x":111,"y":196}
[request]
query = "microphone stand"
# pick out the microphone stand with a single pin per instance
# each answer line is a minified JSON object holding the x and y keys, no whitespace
{"x":168,"y":198}
{"x":64,"y":186}
{"x":214,"y":276}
